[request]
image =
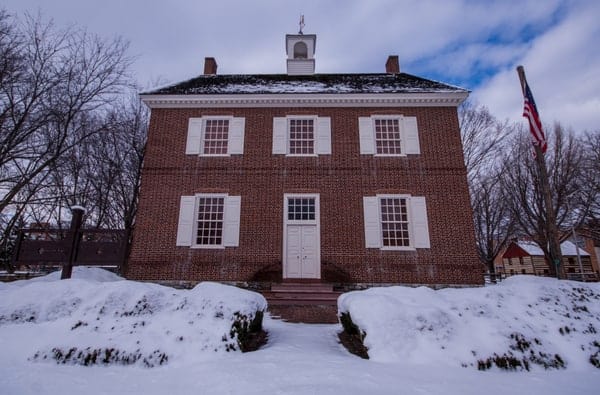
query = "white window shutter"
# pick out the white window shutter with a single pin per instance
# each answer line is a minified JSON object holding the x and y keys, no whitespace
{"x":231,"y":221}
{"x":372,"y":223}
{"x":280,"y":135}
{"x":194,"y":136}
{"x":185,"y":228}
{"x":323,"y":136}
{"x":411,"y":136}
{"x":235,"y":145}
{"x":365,"y":132}
{"x":419,"y":222}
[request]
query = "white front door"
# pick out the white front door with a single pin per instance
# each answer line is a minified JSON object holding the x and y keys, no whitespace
{"x":301,"y":255}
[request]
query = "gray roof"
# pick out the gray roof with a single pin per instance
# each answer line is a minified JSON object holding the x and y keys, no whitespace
{"x":315,"y":83}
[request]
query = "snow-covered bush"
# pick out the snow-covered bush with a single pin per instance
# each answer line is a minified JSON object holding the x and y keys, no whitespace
{"x":89,"y":322}
{"x":523,"y":323}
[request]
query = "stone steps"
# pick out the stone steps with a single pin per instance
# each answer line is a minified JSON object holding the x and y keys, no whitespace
{"x":308,"y":302}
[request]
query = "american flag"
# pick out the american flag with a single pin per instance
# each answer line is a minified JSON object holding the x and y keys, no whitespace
{"x":535,"y":125}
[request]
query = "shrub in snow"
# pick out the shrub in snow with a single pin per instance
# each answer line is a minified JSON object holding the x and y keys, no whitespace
{"x":352,"y":337}
{"x":595,"y":357}
{"x":523,"y":323}
{"x":102,"y":356}
{"x":91,"y":322}
{"x":248,"y":331}
{"x":523,"y":353}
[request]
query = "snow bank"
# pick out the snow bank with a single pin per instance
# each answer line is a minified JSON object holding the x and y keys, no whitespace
{"x":101,"y":318}
{"x":525,"y":317}
{"x":79,"y":272}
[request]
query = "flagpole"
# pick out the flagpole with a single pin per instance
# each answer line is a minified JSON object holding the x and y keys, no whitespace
{"x":551,"y":229}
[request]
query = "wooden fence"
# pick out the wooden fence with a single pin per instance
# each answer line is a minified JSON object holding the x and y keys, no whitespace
{"x":73,"y":247}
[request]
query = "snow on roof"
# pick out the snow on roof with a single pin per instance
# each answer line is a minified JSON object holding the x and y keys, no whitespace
{"x":567,"y":248}
{"x":316,"y":83}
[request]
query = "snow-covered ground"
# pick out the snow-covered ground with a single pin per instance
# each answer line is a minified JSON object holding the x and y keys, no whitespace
{"x":419,"y":339}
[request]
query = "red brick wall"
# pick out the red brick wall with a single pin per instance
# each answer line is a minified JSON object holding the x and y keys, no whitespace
{"x":341,"y":179}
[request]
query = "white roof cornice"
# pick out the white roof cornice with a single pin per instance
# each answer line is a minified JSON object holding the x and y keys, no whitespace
{"x":437,"y":99}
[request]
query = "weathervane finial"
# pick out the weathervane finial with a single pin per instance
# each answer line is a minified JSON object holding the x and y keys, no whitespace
{"x":301,"y":24}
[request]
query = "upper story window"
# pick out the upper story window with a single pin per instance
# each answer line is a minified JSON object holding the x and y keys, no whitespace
{"x":395,"y":222}
{"x":215,"y":136}
{"x":302,"y":135}
{"x":388,"y":135}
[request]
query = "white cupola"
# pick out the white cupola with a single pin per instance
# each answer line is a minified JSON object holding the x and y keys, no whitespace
{"x":300,"y":50}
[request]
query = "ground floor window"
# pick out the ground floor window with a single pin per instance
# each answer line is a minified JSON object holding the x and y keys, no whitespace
{"x":210,"y":221}
{"x":396,"y":222}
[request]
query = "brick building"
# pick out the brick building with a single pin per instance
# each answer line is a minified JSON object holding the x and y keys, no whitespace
{"x":343,"y":178}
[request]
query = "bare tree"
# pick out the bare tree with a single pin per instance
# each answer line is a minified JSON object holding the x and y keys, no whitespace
{"x":483,"y":137}
{"x":590,"y":185}
{"x":52,"y":83}
{"x":102,"y":172}
{"x":522,"y":185}
{"x":494,"y":224}
{"x":59,"y":77}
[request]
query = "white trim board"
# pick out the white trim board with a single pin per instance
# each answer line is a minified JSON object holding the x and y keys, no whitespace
{"x":442,"y":99}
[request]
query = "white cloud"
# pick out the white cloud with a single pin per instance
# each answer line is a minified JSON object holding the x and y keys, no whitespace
{"x":458,"y":41}
{"x":562,"y":69}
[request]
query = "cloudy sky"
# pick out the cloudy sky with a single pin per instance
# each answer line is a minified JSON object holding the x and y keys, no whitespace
{"x":469,"y":43}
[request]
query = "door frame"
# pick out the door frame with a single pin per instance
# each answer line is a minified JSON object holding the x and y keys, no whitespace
{"x":316,"y":222}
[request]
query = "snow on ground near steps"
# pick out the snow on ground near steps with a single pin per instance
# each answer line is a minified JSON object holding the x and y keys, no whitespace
{"x":457,"y":327}
{"x":298,"y":358}
{"x":140,"y":323}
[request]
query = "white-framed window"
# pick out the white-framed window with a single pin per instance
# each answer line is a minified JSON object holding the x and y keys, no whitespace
{"x":215,"y":136}
{"x":301,"y":209}
{"x":395,"y":222}
{"x":302,"y":135}
{"x":209,"y":221}
{"x":388,"y":135}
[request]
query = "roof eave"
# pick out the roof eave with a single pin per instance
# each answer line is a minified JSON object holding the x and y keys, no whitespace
{"x":410,"y":99}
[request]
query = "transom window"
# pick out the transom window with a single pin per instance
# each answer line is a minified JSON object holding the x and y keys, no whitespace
{"x":216,"y":135}
{"x":387,"y":136}
{"x":301,"y":209}
{"x":210,"y":221}
{"x":302,"y":137}
{"x":394,"y":222}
